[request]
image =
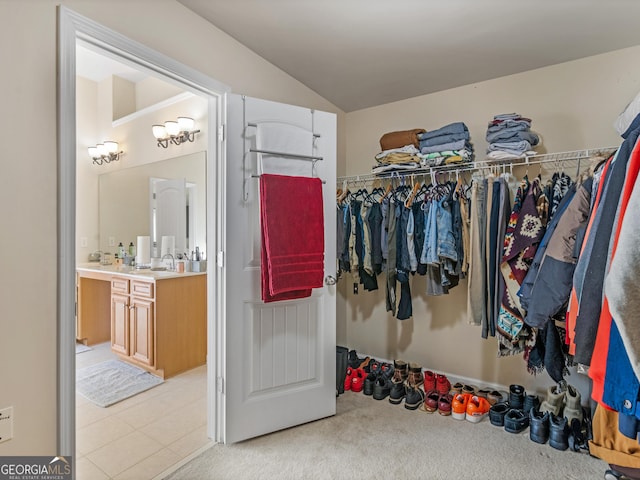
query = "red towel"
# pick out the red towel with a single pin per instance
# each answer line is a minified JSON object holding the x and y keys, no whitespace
{"x":292,"y":231}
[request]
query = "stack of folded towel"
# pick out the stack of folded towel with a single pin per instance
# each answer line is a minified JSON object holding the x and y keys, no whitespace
{"x":445,"y":146}
{"x":399,"y":151}
{"x":509,"y":136}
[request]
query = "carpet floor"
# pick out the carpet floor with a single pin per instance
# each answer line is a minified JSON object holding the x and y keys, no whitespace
{"x":112,"y":381}
{"x":370,"y":439}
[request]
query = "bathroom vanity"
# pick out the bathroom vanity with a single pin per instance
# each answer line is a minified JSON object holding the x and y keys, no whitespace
{"x":154,"y":319}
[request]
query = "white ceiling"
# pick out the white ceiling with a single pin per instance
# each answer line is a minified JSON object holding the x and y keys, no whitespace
{"x":362,"y":53}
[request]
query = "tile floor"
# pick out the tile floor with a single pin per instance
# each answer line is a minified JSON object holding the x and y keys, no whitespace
{"x":144,"y":435}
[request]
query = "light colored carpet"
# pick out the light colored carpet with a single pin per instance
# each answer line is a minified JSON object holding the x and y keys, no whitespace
{"x":371,"y":439}
{"x":109,"y":382}
{"x":81,"y":347}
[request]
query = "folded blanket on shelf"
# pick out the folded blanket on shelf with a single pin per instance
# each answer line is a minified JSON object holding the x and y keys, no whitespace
{"x":292,"y":231}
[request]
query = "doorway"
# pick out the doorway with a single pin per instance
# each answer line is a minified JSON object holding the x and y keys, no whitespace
{"x":74,"y":28}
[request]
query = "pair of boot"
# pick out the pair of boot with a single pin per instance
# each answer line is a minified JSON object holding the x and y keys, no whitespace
{"x":405,"y":385}
{"x":563,"y":402}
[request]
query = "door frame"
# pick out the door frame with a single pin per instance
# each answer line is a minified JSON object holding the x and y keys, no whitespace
{"x":72,"y":27}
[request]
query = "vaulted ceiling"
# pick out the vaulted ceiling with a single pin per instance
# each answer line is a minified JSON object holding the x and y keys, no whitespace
{"x":362,"y":53}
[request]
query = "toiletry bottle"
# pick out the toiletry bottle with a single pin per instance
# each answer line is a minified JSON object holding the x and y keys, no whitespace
{"x":132,"y":250}
{"x":121,"y":251}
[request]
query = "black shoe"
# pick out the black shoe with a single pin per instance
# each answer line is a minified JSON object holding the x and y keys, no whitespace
{"x":515,"y":421}
{"x":381,"y":388}
{"x":530,"y":401}
{"x":497,"y":413}
{"x":558,"y":432}
{"x":414,"y":398}
{"x":397,"y":393}
{"x":516,"y":396}
{"x":354,"y":361}
{"x":538,"y":426}
{"x":369,"y":382}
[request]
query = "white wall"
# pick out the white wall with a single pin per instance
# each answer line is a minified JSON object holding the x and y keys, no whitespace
{"x":573,"y":106}
{"x":28,"y":372}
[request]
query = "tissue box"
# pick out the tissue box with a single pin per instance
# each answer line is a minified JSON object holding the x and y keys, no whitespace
{"x":198,"y":265}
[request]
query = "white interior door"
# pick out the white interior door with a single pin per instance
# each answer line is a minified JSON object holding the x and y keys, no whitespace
{"x":280,"y":356}
{"x":170,"y":213}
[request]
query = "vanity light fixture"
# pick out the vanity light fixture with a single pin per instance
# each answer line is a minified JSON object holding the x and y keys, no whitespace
{"x":106,"y":152}
{"x":176,"y":132}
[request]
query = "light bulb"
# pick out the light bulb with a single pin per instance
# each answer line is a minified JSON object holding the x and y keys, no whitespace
{"x":93,"y":152}
{"x":186,"y":124}
{"x":159,"y":131}
{"x":172,"y":128}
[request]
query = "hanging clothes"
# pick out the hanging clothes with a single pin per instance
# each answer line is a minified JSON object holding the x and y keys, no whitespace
{"x":526,"y":228}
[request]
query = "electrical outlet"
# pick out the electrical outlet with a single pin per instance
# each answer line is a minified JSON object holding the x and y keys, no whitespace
{"x":6,"y":424}
{"x":83,"y":242}
{"x":112,"y":241}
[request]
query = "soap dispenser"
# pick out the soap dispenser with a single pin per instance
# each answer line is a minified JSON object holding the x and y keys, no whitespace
{"x":132,"y":250}
{"x":121,"y":251}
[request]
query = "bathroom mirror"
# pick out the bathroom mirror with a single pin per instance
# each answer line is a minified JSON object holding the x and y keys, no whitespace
{"x":126,"y":206}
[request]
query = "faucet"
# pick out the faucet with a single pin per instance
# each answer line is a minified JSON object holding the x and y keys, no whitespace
{"x":173,"y":260}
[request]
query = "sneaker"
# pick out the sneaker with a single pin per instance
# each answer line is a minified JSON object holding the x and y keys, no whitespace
{"x":538,"y":426}
{"x":369,"y":382}
{"x":357,"y":382}
{"x":456,"y":388}
{"x":444,"y":404}
{"x":494,"y":397}
{"x":477,"y":409}
{"x":459,"y":405}
{"x":382,"y":388}
{"x":431,"y":401}
{"x":348,"y":378}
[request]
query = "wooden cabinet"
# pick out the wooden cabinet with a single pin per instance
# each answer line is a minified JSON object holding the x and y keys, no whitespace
{"x":132,"y":319}
{"x":120,"y":323}
{"x":159,"y":324}
{"x":141,"y":323}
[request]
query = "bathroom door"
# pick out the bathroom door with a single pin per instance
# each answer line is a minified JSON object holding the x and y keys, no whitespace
{"x":279,"y":359}
{"x":168,"y":213}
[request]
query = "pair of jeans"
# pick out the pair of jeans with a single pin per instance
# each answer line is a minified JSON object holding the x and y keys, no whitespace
{"x":430,"y":246}
{"x":522,"y":124}
{"x":515,"y":148}
{"x":476,"y":300}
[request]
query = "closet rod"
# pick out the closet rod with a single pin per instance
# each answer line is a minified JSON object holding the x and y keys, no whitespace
{"x":482,"y":165}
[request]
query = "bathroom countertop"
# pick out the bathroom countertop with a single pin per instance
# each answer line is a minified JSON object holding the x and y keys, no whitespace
{"x":132,"y":272}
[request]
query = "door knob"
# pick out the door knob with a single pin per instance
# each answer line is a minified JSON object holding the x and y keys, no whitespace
{"x":330,"y":280}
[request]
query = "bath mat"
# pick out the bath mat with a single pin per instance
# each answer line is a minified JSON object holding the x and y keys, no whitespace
{"x":112,"y":381}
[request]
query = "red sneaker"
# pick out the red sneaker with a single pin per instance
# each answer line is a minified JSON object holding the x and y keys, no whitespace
{"x":348,"y":378}
{"x":357,"y":382}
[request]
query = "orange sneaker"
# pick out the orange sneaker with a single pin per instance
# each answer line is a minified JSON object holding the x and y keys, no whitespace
{"x":477,"y":408}
{"x":459,"y":405}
